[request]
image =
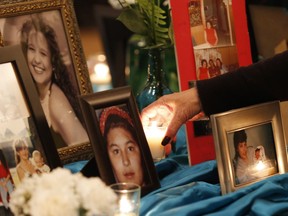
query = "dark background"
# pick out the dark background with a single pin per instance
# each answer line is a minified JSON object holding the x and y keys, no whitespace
{"x":113,"y":36}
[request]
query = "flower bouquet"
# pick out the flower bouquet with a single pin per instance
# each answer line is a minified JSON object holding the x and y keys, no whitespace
{"x":62,"y":193}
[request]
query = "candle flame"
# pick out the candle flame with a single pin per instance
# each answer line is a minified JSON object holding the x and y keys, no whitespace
{"x":153,"y":124}
{"x":126,"y":205}
{"x":260,"y":166}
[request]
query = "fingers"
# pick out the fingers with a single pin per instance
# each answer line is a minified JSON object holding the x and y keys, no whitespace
{"x":164,"y":113}
{"x":147,"y":114}
{"x":161,"y":114}
{"x":158,"y":113}
{"x":171,"y":132}
{"x":173,"y":111}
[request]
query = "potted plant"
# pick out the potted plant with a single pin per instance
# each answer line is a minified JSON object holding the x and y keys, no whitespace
{"x":150,"y":20}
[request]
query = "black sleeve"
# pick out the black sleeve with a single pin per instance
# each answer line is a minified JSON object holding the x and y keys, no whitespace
{"x":257,"y":83}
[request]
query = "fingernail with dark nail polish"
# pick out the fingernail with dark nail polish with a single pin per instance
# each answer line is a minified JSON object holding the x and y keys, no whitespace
{"x":165,"y":141}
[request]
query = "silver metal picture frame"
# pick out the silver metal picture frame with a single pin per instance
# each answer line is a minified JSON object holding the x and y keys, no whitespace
{"x":249,"y":145}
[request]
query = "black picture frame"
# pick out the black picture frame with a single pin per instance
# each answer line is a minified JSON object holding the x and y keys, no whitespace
{"x":27,"y":121}
{"x":120,"y":97}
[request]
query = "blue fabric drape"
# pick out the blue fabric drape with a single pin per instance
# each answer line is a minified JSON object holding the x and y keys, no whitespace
{"x":195,"y":190}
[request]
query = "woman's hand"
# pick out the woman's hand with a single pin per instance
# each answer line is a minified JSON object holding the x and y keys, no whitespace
{"x":173,"y":110}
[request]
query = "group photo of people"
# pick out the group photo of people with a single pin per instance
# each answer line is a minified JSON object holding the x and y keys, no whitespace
{"x":27,"y":162}
{"x":213,"y":38}
{"x":213,"y":62}
{"x":210,"y":68}
{"x":18,"y":160}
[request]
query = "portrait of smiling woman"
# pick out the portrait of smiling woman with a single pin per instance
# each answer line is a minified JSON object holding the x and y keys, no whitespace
{"x":50,"y":67}
{"x":122,"y":145}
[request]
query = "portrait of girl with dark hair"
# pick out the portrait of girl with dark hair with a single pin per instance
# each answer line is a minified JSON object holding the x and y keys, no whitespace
{"x":122,"y":145}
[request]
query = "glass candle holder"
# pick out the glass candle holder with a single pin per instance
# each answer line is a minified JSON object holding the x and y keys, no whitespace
{"x":154,"y":135}
{"x":128,"y":202}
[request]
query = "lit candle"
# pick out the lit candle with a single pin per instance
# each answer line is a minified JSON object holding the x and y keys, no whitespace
{"x":260,"y":166}
{"x":154,"y":135}
{"x":99,"y":73}
{"x":126,"y":207}
{"x":128,"y":199}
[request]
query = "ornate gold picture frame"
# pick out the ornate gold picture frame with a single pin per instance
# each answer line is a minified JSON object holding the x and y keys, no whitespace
{"x":59,"y":18}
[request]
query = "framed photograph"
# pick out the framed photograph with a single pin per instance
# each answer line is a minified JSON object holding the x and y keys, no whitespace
{"x":250,"y":145}
{"x":50,"y":39}
{"x":26,"y":145}
{"x":211,"y":38}
{"x":116,"y":133}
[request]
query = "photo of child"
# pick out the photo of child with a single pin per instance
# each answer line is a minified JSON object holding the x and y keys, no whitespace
{"x":38,"y":162}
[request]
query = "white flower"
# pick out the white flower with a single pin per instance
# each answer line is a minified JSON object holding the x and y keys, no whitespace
{"x":93,"y":191}
{"x":56,"y":202}
{"x":62,"y":193}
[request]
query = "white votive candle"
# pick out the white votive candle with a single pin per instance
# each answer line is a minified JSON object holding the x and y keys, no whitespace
{"x":154,"y":135}
{"x":128,"y":199}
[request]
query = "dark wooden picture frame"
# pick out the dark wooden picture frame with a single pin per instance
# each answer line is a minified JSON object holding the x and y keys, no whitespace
{"x":23,"y":122}
{"x":250,"y":128}
{"x":59,"y":15}
{"x":122,"y":98}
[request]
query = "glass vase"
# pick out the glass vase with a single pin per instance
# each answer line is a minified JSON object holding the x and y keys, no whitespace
{"x":156,"y":84}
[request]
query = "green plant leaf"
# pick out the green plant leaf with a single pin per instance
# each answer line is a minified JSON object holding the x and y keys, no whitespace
{"x":171,"y":33}
{"x":161,"y":29}
{"x":147,"y":18}
{"x":133,"y":20}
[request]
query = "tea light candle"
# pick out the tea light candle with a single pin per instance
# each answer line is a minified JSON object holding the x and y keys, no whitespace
{"x":154,"y":135}
{"x":127,"y":207}
{"x":128,"y":202}
{"x":260,"y":166}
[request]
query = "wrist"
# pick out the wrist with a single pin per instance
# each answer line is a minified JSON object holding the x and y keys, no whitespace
{"x":195,"y":100}
{"x":190,"y":103}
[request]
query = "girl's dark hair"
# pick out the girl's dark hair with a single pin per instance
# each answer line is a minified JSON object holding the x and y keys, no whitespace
{"x":202,"y":61}
{"x":238,"y":137}
{"x":18,"y":145}
{"x":115,"y":121}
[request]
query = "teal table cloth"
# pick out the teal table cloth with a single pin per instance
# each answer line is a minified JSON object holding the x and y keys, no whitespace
{"x":195,"y":190}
